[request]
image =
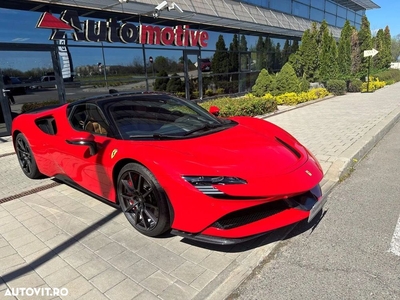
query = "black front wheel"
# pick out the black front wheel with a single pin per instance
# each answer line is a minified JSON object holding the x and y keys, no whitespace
{"x":25,"y":158}
{"x":143,"y":200}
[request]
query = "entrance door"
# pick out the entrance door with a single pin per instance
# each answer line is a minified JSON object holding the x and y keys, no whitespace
{"x":193,"y":76}
{"x":26,"y":65}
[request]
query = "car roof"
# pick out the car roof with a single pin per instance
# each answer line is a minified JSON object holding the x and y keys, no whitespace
{"x":106,"y":98}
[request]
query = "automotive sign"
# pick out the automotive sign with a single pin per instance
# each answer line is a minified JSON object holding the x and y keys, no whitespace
{"x":113,"y":31}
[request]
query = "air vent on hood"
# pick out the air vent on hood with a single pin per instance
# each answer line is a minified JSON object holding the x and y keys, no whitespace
{"x":293,"y":150}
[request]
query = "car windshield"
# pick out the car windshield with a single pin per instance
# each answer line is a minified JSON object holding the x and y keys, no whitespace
{"x":162,"y":117}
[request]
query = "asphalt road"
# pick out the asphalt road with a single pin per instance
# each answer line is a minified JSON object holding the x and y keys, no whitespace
{"x":349,"y":253}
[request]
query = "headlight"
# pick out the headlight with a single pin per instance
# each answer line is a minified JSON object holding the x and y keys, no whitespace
{"x":210,"y":180}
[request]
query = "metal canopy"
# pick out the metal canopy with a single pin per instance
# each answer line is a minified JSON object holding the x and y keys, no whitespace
{"x":217,"y":15}
{"x":357,"y":5}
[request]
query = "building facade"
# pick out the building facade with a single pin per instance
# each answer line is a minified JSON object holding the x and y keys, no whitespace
{"x":66,"y":49}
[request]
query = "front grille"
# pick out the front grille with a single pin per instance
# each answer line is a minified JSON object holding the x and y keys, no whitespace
{"x":250,"y":215}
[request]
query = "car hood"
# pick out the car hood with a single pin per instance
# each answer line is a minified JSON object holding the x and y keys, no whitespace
{"x":238,"y":151}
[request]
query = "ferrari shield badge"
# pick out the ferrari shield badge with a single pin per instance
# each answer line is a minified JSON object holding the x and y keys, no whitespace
{"x":113,"y":153}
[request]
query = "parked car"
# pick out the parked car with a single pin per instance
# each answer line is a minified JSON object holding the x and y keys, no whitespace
{"x":205,"y":64}
{"x":171,"y":165}
{"x":20,"y":90}
{"x":44,"y":80}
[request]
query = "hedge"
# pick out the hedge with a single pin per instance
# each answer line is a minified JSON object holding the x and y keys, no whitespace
{"x":248,"y":105}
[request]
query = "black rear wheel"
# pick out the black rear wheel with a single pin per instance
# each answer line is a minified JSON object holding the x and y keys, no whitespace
{"x":25,"y":158}
{"x":142,"y":200}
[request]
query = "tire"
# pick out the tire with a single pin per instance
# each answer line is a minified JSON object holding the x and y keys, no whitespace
{"x":142,"y":200}
{"x":25,"y":158}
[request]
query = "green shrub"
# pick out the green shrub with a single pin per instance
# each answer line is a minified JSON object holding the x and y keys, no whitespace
{"x":175,"y":84}
{"x":389,"y":76}
{"x":181,"y":94}
{"x":160,"y":84}
{"x":354,"y":86}
{"x":264,"y":83}
{"x":336,"y":87}
{"x":242,"y":106}
{"x":195,"y":95}
{"x":220,"y":91}
{"x":209,"y":92}
{"x":287,"y":81}
{"x":304,"y":84}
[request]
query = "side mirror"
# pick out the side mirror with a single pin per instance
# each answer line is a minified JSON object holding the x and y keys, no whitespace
{"x":214,"y":110}
{"x":86,"y":139}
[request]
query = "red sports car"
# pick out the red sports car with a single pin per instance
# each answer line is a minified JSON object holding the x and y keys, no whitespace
{"x":170,"y":164}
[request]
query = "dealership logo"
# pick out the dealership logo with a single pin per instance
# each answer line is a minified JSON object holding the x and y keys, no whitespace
{"x":113,"y":31}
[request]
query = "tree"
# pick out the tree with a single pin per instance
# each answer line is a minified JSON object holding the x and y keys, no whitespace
{"x":269,"y":54}
{"x":161,"y":64}
{"x":395,"y":48}
{"x":365,"y":43}
{"x":327,"y":66}
{"x":175,"y":84}
{"x":355,"y":54}
{"x":277,"y":64}
{"x":295,"y":46}
{"x":261,"y":57}
{"x":344,"y":50}
{"x":286,"y":52}
{"x":308,"y":51}
{"x":220,"y":60}
{"x":387,"y":57}
{"x":378,"y":44}
{"x":234,"y":54}
{"x":286,"y":80}
{"x":264,"y":83}
{"x":160,"y":84}
{"x":244,"y":59}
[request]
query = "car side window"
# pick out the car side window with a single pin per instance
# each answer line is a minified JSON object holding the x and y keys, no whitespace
{"x":88,"y":117}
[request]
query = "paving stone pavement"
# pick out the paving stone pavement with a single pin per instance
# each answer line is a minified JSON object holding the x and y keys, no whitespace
{"x":61,"y":238}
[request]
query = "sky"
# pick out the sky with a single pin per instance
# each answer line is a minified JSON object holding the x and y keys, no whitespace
{"x":24,"y":31}
{"x":387,"y":15}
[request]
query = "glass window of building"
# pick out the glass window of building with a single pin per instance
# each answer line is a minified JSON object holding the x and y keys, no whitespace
{"x":308,"y":2}
{"x":341,"y":12}
{"x":358,"y":18}
{"x":318,"y":4}
{"x":351,"y":16}
{"x":340,"y":22}
{"x":301,"y":10}
{"x":330,"y":19}
{"x":330,"y":7}
{"x":316,"y":15}
{"x":281,"y":5}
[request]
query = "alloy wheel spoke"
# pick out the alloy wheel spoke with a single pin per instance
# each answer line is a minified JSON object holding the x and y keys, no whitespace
{"x":131,"y":206}
{"x":147,"y":193}
{"x":143,"y":219}
{"x":21,"y":145}
{"x":127,"y":186}
{"x":148,"y":205}
{"x":150,"y":215}
{"x":135,"y":218}
{"x":139,"y":183}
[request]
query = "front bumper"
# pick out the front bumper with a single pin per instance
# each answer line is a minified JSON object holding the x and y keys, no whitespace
{"x":248,"y":223}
